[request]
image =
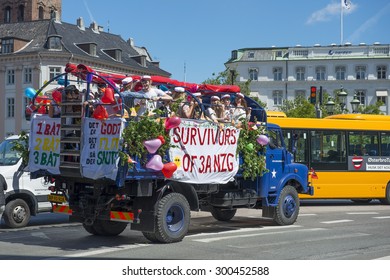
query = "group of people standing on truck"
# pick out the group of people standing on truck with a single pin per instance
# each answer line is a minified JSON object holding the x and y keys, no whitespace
{"x":177,"y":102}
{"x":141,"y":98}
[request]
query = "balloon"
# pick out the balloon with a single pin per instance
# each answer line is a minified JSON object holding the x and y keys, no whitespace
{"x":152,"y":145}
{"x":155,"y":163}
{"x":100,"y":113}
{"x":57,"y":96}
{"x":168,"y":169}
{"x":108,"y":96}
{"x":262,"y":140}
{"x":249,"y":146}
{"x":29,"y":92}
{"x":172,"y":122}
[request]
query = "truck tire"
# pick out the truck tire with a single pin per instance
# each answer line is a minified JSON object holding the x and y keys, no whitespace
{"x":151,"y":236}
{"x":223,"y":215}
{"x":105,"y":228}
{"x":172,"y":218}
{"x":386,"y":200}
{"x":17,"y":213}
{"x":287,"y":210}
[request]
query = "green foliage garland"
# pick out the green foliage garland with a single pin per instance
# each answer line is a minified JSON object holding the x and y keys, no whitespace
{"x":253,"y":154}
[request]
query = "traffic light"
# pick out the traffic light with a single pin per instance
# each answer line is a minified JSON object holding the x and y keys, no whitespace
{"x":313,"y":95}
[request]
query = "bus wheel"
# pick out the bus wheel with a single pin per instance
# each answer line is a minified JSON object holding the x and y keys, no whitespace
{"x":105,"y":228}
{"x":172,"y":218}
{"x":17,"y":213}
{"x":386,"y":200}
{"x":288,"y":207}
{"x":223,"y":215}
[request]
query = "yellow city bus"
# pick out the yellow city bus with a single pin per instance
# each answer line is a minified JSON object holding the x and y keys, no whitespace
{"x":350,"y":154}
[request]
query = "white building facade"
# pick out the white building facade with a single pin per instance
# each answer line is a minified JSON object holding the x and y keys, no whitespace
{"x":278,"y":74}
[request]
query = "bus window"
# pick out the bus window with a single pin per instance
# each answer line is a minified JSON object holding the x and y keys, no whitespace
{"x":363,"y":143}
{"x":296,"y":143}
{"x":385,"y":144}
{"x":327,"y":146}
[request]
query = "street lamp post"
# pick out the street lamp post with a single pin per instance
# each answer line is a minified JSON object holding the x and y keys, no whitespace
{"x":330,"y":106}
{"x":342,"y":99}
{"x":355,"y":104}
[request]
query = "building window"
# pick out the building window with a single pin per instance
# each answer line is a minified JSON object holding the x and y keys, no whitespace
{"x":54,"y":43}
{"x":360,"y":72}
{"x":7,"y":46}
{"x":277,"y":95}
{"x":27,"y":74}
{"x":277,"y":74}
{"x":40,"y":12}
{"x":381,"y":72}
{"x":234,"y":55}
{"x":253,"y":74}
{"x":361,"y":96}
{"x":7,"y":14}
{"x":21,"y":13}
{"x":340,"y":73}
{"x":10,"y":107}
{"x":300,"y":73}
{"x":381,"y":99}
{"x":300,"y":94}
{"x":10,"y":77}
{"x":251,"y":54}
{"x":54,"y":71}
{"x":320,"y":73}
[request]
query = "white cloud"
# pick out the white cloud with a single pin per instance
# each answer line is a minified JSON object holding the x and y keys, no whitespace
{"x":368,"y":24}
{"x":329,"y":12}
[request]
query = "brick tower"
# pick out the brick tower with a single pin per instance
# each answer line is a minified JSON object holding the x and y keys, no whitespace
{"x":12,"y":11}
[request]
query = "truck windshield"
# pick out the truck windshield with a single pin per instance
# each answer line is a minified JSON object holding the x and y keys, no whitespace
{"x":7,"y":155}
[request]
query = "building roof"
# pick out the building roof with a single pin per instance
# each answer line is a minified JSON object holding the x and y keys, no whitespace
{"x":37,"y":33}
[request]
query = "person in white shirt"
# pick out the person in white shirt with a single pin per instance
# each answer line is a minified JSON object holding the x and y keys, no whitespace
{"x":241,"y":110}
{"x":150,"y":97}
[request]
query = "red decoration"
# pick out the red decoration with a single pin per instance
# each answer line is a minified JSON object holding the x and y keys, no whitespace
{"x":161,"y":139}
{"x":42,"y":110}
{"x":57,"y":96}
{"x":108,"y":96}
{"x":100,"y":113}
{"x":172,"y":122}
{"x":168,"y":169}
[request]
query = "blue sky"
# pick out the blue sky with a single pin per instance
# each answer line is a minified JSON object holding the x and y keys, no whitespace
{"x":193,"y":39}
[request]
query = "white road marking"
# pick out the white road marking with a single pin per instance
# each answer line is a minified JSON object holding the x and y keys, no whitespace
{"x":382,"y":217}
{"x":308,"y":214}
{"x":101,"y":251}
{"x":240,"y":230}
{"x":213,"y":239}
{"x":336,"y":221}
{"x":363,"y":213}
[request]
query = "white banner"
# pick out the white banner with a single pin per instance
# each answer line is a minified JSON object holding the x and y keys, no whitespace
{"x":99,"y":156}
{"x":45,"y":144}
{"x":203,"y":152}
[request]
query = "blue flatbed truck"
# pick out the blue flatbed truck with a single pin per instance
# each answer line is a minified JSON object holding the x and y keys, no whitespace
{"x":105,"y":191}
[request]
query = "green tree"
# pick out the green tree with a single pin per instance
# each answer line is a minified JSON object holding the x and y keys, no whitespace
{"x":299,"y":107}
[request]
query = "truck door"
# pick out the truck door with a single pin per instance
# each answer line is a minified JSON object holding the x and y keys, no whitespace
{"x":275,"y":158}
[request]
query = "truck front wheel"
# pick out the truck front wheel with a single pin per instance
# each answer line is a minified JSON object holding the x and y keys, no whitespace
{"x":288,"y":207}
{"x":172,"y":219}
{"x":17,"y":213}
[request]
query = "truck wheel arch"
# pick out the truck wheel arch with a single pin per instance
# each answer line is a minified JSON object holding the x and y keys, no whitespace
{"x":188,"y":191}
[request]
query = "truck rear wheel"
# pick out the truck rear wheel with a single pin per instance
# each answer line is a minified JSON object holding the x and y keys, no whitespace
{"x":172,"y":219}
{"x":288,"y":207}
{"x":105,"y":228}
{"x":223,"y":215}
{"x":17,"y":213}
